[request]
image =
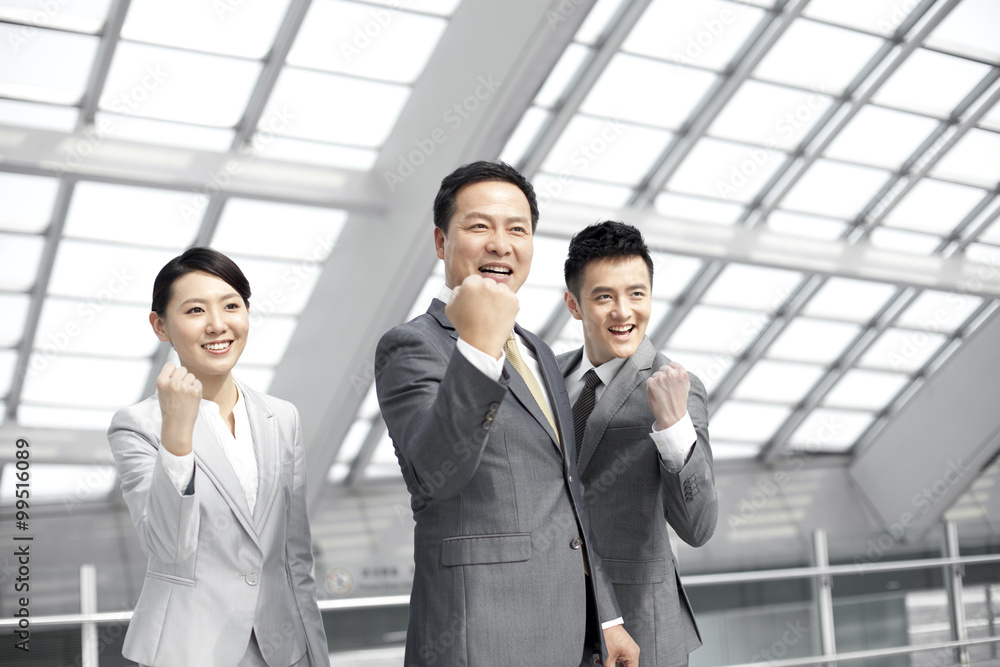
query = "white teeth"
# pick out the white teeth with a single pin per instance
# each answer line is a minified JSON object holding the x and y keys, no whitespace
{"x":216,"y":346}
{"x":487,"y":269}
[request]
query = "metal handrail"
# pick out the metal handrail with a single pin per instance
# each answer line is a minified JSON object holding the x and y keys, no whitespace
{"x":870,"y":653}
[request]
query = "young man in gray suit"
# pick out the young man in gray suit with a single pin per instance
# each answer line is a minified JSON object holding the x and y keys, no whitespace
{"x":641,"y":425}
{"x":505,"y":572}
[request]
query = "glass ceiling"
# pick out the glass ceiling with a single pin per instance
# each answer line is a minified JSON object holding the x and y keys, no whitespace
{"x":850,"y":121}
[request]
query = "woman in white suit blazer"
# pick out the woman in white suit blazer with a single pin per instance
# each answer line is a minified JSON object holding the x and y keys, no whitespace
{"x":213,"y":476}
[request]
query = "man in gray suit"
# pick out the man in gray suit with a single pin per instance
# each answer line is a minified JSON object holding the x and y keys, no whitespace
{"x":641,"y":425}
{"x":505,"y":572}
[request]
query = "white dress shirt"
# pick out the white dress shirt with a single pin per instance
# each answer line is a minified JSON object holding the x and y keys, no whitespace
{"x":673,"y":443}
{"x":239,"y":450}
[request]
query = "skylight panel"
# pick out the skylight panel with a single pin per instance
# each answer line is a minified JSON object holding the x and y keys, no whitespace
{"x":279,"y":287}
{"x":19,"y":259}
{"x":881,"y":137}
{"x":811,"y":340}
{"x":8,"y":363}
{"x":606,"y":150}
{"x":44,"y":65}
{"x":710,"y":368}
{"x":41,"y":116}
{"x":704,"y":34}
{"x":747,"y":422}
{"x":801,"y":57}
{"x":865,"y":390}
{"x":439,"y":7}
{"x":61,"y":483}
{"x":899,"y":240}
{"x":733,"y":451}
{"x":934,"y":207}
{"x":806,"y":226}
{"x":251,"y":227}
{"x":15,"y":310}
{"x":366,"y":41}
{"x":84,"y":382}
{"x":720,"y":169}
{"x":931,"y":83}
{"x":383,"y":464}
{"x":991,"y":119}
{"x":713,"y":329}
{"x":568,"y":188}
{"x":974,"y":159}
{"x":902,"y":351}
{"x":992,"y":233}
{"x":126,"y":214}
{"x":698,"y":209}
{"x":970,"y":30}
{"x":755,"y":287}
{"x":835,"y":189}
{"x":310,"y":105}
{"x":44,"y":416}
{"x":768,"y":115}
{"x":598,"y":21}
{"x":647,"y":91}
{"x":175,"y":135}
{"x":826,"y":430}
{"x":318,"y":153}
{"x":938,"y":312}
{"x":181,"y":86}
{"x":68,"y":326}
{"x":983,"y":253}
{"x":562,"y":75}
{"x":27,"y":202}
{"x":537,"y":305}
{"x":778,"y":382}
{"x":268,"y":339}
{"x":850,"y":300}
{"x":881,"y":17}
{"x":524,"y":135}
{"x":85,"y":16}
{"x":672,"y":274}
{"x":100,"y":274}
{"x":548,"y":258}
{"x":257,"y":378}
{"x":241,"y":29}
{"x":429,"y":292}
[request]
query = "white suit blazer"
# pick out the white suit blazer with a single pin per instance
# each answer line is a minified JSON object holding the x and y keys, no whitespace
{"x":215,"y":571}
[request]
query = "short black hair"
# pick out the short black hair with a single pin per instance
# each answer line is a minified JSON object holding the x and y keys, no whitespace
{"x":599,"y":241}
{"x":482,"y":171}
{"x":206,"y":260}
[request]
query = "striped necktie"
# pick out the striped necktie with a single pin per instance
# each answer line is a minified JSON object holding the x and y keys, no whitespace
{"x":584,"y":406}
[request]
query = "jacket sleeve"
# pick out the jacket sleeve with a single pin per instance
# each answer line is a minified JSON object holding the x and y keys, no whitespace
{"x":166,"y":521}
{"x":438,"y":408}
{"x":298,"y":551}
{"x":691,"y":503}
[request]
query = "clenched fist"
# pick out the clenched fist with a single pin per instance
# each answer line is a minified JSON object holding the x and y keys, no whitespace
{"x":667,"y":393}
{"x":180,"y":399}
{"x":483,"y":313}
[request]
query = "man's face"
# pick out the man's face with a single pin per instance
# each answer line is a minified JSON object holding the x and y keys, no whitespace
{"x":489,"y":235}
{"x":614,"y":306}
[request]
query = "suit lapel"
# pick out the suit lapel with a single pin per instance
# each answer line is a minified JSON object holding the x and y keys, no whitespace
{"x":631,"y":374}
{"x":263,"y":429}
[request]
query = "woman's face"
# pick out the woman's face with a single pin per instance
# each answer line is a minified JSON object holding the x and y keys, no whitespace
{"x":207,"y":323}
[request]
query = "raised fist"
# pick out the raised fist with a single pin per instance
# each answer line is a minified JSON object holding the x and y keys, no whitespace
{"x":483,"y":313}
{"x":180,"y":399}
{"x":667,"y":393}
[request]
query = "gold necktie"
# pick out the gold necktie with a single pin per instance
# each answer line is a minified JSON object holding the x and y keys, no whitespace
{"x":514,"y":357}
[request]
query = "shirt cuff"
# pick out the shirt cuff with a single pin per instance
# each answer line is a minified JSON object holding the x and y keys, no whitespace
{"x":675,"y":443}
{"x":180,"y":469}
{"x":490,"y":367}
{"x":611,"y":624}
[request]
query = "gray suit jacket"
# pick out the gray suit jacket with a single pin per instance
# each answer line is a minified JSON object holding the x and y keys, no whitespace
{"x":630,"y":493}
{"x":215,"y":571}
{"x":500,"y":520}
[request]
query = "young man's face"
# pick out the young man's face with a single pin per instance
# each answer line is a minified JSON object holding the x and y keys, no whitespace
{"x":614,"y":306}
{"x":489,"y":235}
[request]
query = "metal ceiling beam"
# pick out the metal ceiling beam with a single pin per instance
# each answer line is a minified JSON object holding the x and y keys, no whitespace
{"x":489,"y":63}
{"x":102,"y":62}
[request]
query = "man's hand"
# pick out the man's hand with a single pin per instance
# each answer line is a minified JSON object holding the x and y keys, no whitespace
{"x":667,"y":393}
{"x":180,"y":398}
{"x":622,"y":650}
{"x":483,"y":313}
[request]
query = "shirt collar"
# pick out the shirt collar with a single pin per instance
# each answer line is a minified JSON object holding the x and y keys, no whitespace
{"x":606,"y":371}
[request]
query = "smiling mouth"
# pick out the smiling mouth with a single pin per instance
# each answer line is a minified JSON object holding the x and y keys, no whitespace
{"x":622,"y":331}
{"x":218,"y":347}
{"x":498,"y":271}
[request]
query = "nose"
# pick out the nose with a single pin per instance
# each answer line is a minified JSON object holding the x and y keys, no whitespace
{"x":215,"y":322}
{"x":622,"y":310}
{"x":498,"y":244}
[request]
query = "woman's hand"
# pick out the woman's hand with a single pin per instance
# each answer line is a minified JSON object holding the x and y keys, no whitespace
{"x":180,"y":399}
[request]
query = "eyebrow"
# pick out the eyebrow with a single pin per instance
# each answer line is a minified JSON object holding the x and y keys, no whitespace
{"x":196,"y":299}
{"x":601,"y":288}
{"x":486,"y":216}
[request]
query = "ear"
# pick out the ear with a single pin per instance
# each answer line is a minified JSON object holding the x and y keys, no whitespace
{"x":159,"y":328}
{"x":439,"y":239}
{"x":574,"y":307}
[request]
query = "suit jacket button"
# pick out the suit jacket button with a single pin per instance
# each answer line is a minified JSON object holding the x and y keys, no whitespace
{"x":494,"y":406}
{"x":252,"y":578}
{"x":576,"y":543}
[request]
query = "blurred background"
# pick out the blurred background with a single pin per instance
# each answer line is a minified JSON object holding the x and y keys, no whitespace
{"x":819,"y":181}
